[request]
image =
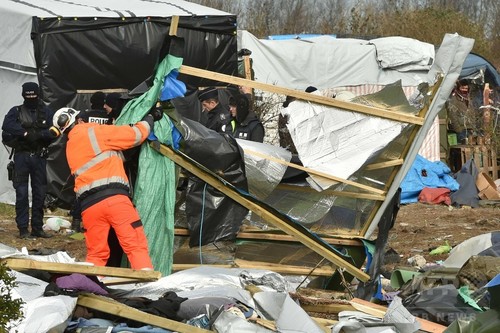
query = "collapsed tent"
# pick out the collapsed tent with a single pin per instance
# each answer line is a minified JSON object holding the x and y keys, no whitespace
{"x":355,"y":66}
{"x":73,"y":49}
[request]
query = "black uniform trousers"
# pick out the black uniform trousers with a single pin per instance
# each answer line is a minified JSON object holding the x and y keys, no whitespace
{"x":29,"y":167}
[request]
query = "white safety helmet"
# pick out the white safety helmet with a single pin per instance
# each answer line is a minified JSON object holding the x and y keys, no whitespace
{"x":64,"y":118}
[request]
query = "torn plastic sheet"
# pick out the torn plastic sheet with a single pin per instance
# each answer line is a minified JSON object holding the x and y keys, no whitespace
{"x":470,"y":247}
{"x":288,"y":315}
{"x":338,"y":142}
{"x":299,"y":202}
{"x":440,"y":304}
{"x":263,"y":174}
{"x":201,"y":281}
{"x":485,"y":322}
{"x":327,"y":212}
{"x":228,"y":322}
{"x":40,"y":314}
{"x":211,"y":215}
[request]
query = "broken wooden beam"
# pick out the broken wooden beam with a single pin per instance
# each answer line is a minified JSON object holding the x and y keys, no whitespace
{"x":261,"y":235}
{"x":116,"y":308}
{"x":19,"y":264}
{"x":312,"y":242}
{"x":378,"y":310}
{"x":281,"y":269}
{"x":316,"y":173}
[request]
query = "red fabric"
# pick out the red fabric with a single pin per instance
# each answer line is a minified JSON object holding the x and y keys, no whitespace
{"x":116,"y":211}
{"x":435,"y":196}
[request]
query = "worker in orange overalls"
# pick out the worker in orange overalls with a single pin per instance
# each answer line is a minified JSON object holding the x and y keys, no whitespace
{"x":94,"y":156}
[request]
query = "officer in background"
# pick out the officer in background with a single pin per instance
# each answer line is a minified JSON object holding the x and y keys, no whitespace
{"x":244,"y":124}
{"x":113,"y":104}
{"x":217,"y":117}
{"x":97,"y":112}
{"x":28,"y":129}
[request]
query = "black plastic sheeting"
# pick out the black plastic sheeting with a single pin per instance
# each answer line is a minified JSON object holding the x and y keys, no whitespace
{"x":89,"y":54}
{"x":212,"y":216}
{"x":441,"y":305}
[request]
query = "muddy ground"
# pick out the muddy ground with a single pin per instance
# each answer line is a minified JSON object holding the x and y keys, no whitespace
{"x":419,"y":228}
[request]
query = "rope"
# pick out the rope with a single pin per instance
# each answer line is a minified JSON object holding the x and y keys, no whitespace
{"x":201,"y":221}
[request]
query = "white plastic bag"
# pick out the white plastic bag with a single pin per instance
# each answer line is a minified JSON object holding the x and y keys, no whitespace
{"x":56,"y":223}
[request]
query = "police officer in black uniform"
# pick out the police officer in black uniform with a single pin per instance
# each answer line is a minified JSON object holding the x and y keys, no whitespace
{"x":217,"y":117}
{"x":244,"y":124}
{"x":28,"y":129}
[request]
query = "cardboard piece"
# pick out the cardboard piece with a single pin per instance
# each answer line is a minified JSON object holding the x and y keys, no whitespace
{"x":486,"y":187}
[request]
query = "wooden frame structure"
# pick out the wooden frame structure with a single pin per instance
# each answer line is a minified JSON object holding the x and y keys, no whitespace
{"x":368,"y":192}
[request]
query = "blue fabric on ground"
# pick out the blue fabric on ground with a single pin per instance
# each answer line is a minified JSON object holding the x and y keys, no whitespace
{"x":425,"y":173}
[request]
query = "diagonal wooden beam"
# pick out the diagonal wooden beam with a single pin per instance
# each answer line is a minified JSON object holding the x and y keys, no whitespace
{"x":349,"y":106}
{"x":315,"y":172}
{"x":317,"y":246}
{"x":116,"y":308}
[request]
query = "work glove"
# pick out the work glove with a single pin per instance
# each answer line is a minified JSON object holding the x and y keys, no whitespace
{"x":156,"y":112}
{"x":150,"y":120}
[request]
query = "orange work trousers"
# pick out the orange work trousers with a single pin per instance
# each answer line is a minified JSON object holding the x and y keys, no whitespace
{"x":117,"y":212}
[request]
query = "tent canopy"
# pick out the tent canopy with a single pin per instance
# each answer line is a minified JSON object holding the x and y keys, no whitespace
{"x":475,"y":64}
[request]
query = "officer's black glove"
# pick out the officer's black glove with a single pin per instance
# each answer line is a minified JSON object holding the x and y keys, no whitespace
{"x":156,"y":112}
{"x":150,"y":120}
{"x":32,"y":135}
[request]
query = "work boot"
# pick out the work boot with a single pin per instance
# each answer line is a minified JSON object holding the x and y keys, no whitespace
{"x":76,"y":225}
{"x":40,"y":234}
{"x":24,"y":234}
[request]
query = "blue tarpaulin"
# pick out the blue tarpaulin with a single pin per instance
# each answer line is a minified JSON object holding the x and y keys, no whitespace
{"x":425,"y":173}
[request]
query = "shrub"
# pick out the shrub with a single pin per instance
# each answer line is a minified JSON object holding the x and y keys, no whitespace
{"x":10,"y":308}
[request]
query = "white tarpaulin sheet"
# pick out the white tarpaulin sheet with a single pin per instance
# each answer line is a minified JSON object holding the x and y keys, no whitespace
{"x":328,"y":62}
{"x":334,"y":141}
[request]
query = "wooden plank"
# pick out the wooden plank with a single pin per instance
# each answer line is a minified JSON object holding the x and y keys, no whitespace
{"x":411,"y":138}
{"x":285,"y":269}
{"x":261,"y":235}
{"x":347,"y":194}
{"x":174,"y":24}
{"x":380,"y":310}
{"x":327,"y":308}
{"x":349,"y":106}
{"x":248,"y":67}
{"x":314,"y":172}
{"x":383,"y":165}
{"x":325,"y":324}
{"x":282,"y":269}
{"x":279,"y":222}
{"x":113,"y":307}
{"x":24,"y":264}
{"x":183,"y":267}
{"x":269,"y":324}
